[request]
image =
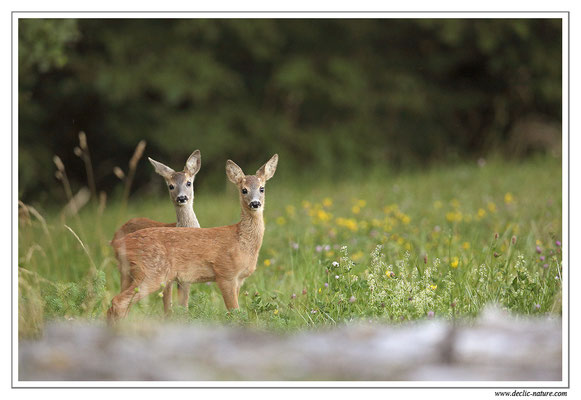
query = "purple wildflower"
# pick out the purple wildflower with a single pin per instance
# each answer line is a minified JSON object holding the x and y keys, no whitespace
{"x":430,"y":314}
{"x":352,"y":299}
{"x":326,"y":284}
{"x":545,"y":266}
{"x":542,"y":258}
{"x":538,"y":250}
{"x":558,"y":243}
{"x":318,"y":248}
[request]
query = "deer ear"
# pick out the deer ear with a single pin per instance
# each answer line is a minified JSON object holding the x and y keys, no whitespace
{"x":234,"y":172}
{"x":267,"y":170}
{"x":194,"y":163}
{"x":161,"y":169}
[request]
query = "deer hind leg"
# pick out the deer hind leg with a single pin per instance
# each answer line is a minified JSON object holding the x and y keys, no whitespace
{"x":229,"y":292}
{"x":125,"y":279}
{"x":122,"y":302}
{"x":183,"y":293}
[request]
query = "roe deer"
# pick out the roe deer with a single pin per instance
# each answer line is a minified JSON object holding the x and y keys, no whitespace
{"x":226,"y":254}
{"x":181,"y":192}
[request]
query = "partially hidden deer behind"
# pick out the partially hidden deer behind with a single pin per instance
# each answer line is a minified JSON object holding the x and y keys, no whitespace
{"x":227,"y":254}
{"x":181,"y":192}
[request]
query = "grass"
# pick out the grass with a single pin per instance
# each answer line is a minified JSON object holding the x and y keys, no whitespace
{"x":440,"y":243}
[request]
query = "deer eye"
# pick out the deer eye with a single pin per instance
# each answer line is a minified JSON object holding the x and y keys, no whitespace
{"x":171,"y":187}
{"x":188,"y":183}
{"x":244,"y":191}
{"x":262,"y":189}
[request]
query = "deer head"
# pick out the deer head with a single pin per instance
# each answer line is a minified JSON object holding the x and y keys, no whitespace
{"x":180,"y":184}
{"x":251,"y":187}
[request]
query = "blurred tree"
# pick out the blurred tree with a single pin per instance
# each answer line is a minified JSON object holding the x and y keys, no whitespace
{"x":331,"y":95}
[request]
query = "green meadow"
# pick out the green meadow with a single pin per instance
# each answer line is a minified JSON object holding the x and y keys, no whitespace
{"x":385,"y":247}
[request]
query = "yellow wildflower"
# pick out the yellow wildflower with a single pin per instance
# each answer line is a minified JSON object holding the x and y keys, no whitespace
{"x":481,"y":213}
{"x":465,"y":245}
{"x":405,"y":219}
{"x":267,"y":262}
{"x":492,"y":207}
{"x":281,"y":221}
{"x":323,"y":215}
{"x":327,"y":202}
{"x":290,"y":210}
{"x":454,"y":262}
{"x":276,"y":312}
{"x":437,"y":204}
{"x":361,"y":203}
{"x":355,"y":209}
{"x":454,"y":216}
{"x":351,"y":223}
{"x":508,"y":198}
{"x":433,"y":287}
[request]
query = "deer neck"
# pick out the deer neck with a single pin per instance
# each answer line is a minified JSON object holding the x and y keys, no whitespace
{"x":251,"y":230}
{"x":186,"y":217}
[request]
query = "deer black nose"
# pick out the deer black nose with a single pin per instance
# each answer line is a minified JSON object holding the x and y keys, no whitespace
{"x":254,"y":204}
{"x":182,"y":199}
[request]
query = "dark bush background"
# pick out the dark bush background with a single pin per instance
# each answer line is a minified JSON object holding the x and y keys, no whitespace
{"x":331,"y":96}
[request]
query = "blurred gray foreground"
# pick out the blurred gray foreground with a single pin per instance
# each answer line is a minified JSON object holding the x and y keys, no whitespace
{"x":495,"y":347}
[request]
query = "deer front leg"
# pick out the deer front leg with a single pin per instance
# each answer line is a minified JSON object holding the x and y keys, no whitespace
{"x":167,"y":298}
{"x":229,"y":292}
{"x":239,"y":283}
{"x":183,"y":293}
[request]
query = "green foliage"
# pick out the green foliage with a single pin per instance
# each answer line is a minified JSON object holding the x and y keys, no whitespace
{"x":66,"y":299}
{"x":334,"y":96}
{"x":43,"y":44}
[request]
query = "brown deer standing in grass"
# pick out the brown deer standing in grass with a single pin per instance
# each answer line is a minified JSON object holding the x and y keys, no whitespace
{"x":226,"y":254}
{"x":181,"y":192}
